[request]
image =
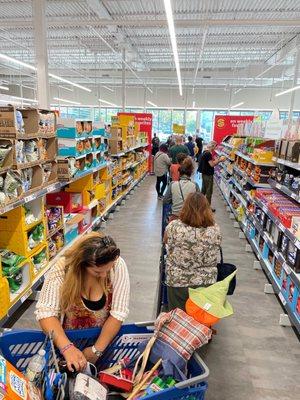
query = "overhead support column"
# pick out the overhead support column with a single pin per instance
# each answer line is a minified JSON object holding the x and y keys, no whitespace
{"x":41,"y":54}
{"x":123,"y":81}
{"x":295,"y":81}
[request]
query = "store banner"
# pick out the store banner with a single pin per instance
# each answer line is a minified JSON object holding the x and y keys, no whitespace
{"x":145,"y":125}
{"x":227,"y":125}
{"x":179,"y":129}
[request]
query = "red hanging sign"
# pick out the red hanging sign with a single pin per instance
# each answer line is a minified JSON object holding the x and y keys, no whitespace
{"x":227,"y":125}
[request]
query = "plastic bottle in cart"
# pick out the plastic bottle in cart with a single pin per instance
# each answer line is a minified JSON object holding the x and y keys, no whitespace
{"x":35,"y":367}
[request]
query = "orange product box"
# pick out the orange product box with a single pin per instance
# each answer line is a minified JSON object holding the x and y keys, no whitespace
{"x":13,"y":384}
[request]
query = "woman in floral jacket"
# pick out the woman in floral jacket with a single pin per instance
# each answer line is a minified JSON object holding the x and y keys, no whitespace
{"x":193,"y":242}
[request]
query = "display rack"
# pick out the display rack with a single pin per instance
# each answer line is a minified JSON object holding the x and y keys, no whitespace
{"x":250,"y":212}
{"x":91,"y":185}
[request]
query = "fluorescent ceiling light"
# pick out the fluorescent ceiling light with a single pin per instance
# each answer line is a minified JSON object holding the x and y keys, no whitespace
{"x":237,"y":105}
{"x":170,"y":20}
{"x":24,"y":99}
{"x":151,"y":104}
{"x":287,"y":91}
{"x":107,"y":102}
{"x":15,"y":61}
{"x":69,"y":82}
{"x":66,"y":101}
{"x":4,"y":87}
{"x":14,"y":102}
{"x":108,"y":88}
{"x":66,"y":88}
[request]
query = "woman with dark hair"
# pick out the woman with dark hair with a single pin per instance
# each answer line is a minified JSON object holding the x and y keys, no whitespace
{"x":192,"y":244}
{"x":88,"y":287}
{"x":178,"y":191}
{"x":162,"y":163}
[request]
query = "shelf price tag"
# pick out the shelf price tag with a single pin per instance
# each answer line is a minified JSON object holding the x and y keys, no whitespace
{"x":287,"y":269}
{"x":26,"y":295}
{"x":276,"y":254}
{"x":281,"y":227}
{"x":31,"y":197}
{"x":282,"y":299}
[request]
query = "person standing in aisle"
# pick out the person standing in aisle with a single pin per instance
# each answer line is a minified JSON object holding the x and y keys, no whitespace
{"x":179,"y":147}
{"x":193,"y":244}
{"x":162,"y":163}
{"x":191,"y":146}
{"x":178,"y":191}
{"x":199,"y":143}
{"x":174,"y":169}
{"x":207,"y":168}
{"x":155,"y":144}
{"x":87,"y":288}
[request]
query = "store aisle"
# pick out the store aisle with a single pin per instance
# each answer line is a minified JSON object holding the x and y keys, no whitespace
{"x":136,"y":229}
{"x":251,"y":357}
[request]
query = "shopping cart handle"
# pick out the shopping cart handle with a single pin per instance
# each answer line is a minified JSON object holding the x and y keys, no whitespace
{"x":196,"y":379}
{"x":145,"y":323}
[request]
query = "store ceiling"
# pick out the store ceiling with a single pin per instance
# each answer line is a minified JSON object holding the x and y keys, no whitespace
{"x":231,"y":41}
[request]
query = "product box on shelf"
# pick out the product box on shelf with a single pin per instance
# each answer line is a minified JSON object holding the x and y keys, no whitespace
{"x":72,"y":202}
{"x":13,"y":384}
{"x":40,"y":260}
{"x":99,"y":129}
{"x":293,"y":151}
{"x":68,"y":147}
{"x":283,"y":149}
{"x":70,"y":128}
{"x":115,"y":146}
{"x":72,"y":222}
{"x":23,"y":218}
{"x":18,"y":276}
{"x":86,"y":220}
{"x":26,"y":122}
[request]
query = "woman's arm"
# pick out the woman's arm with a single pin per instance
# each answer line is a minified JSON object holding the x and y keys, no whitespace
{"x":74,"y":357}
{"x":108,"y":332}
{"x":48,"y":315}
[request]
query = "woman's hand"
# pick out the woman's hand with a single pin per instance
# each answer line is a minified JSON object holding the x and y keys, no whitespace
{"x":89,"y":355}
{"x":75,"y":359}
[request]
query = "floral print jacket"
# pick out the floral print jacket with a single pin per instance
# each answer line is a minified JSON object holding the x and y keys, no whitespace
{"x":192,"y":254}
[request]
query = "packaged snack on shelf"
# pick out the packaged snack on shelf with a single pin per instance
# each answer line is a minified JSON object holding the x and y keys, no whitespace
{"x":36,"y":236}
{"x":6,"y":155}
{"x":40,"y":260}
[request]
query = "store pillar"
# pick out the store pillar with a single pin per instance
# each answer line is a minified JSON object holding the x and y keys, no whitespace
{"x":41,"y":55}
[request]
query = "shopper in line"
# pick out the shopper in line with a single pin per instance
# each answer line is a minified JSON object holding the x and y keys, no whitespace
{"x":162,"y":163}
{"x":170,"y":141}
{"x":177,"y":192}
{"x":174,"y":169}
{"x":191,"y":146}
{"x":155,"y":144}
{"x":179,"y":147}
{"x":88,"y":287}
{"x":207,"y":167}
{"x":199,"y":143}
{"x":192,"y":244}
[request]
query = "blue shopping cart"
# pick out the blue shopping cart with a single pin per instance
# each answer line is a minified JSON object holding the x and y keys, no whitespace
{"x":19,"y":346}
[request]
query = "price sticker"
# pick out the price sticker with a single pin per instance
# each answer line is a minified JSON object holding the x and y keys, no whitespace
{"x":294,"y":196}
{"x":51,"y":188}
{"x":279,"y":186}
{"x":282,"y":299}
{"x":30,"y":198}
{"x":26,"y":295}
{"x":276,"y":254}
{"x":281,"y":227}
{"x":287,"y":269}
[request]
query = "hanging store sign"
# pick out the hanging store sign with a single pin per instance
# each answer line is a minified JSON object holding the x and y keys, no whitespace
{"x":227,"y":125}
{"x":179,"y":129}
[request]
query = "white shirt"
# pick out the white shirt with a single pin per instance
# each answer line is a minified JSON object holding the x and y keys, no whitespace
{"x":48,"y":304}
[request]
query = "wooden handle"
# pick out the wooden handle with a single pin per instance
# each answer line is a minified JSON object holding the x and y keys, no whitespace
{"x":142,"y":383}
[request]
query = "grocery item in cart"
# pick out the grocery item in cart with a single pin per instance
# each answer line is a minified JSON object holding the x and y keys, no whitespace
{"x":13,"y":384}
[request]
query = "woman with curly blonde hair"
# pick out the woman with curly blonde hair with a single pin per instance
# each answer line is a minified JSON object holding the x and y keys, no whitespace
{"x":88,"y":287}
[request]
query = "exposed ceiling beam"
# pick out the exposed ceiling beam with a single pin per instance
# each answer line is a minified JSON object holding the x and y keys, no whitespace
{"x":140,"y":23}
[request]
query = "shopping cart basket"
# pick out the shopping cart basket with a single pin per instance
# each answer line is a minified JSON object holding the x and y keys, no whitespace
{"x":20,"y":345}
{"x":166,"y":211}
